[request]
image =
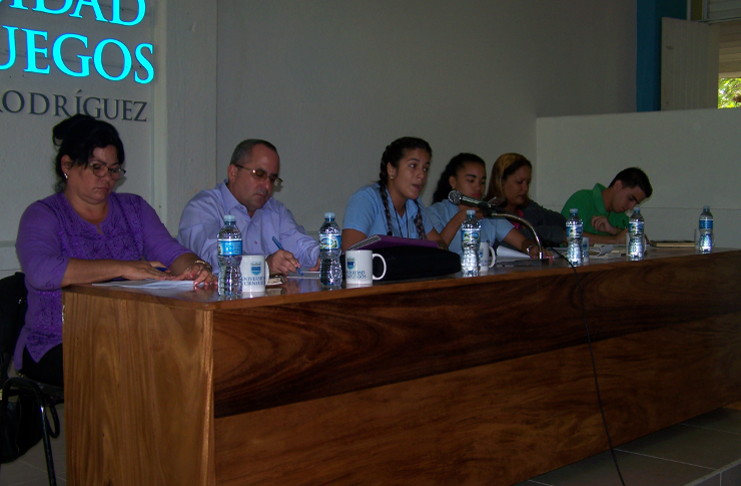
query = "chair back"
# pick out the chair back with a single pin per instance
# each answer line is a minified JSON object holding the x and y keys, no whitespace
{"x":12,"y":316}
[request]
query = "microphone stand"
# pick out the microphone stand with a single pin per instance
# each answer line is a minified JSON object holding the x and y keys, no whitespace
{"x":493,"y":214}
{"x":489,"y":208}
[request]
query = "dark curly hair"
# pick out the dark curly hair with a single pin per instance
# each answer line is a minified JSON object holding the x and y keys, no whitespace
{"x":77,"y":137}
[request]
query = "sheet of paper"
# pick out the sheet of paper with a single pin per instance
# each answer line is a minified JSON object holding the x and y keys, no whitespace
{"x":505,"y":254}
{"x":606,"y":251}
{"x":308,"y":274}
{"x":149,"y":284}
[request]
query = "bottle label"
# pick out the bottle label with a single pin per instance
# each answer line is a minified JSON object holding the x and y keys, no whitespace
{"x":574,"y":231}
{"x":330,"y":242}
{"x":230,"y":247}
{"x":635,"y":227}
{"x":470,"y":237}
{"x":706,"y":224}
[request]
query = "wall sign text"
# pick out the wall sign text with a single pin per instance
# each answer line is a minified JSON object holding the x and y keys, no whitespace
{"x":38,"y":52}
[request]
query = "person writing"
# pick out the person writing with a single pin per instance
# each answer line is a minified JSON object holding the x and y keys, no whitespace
{"x":391,"y":206}
{"x":87,"y":233}
{"x":602,"y":209}
{"x":247,"y":194}
{"x":509,"y":189}
{"x":466,"y":173}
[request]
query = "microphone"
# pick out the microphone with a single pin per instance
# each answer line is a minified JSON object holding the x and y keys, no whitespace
{"x":457,"y":198}
{"x":492,"y":210}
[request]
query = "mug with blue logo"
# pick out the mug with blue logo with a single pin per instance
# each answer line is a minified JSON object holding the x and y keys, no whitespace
{"x":254,"y":273}
{"x":359,"y":268}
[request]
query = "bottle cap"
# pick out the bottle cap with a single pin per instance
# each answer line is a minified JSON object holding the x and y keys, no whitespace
{"x":636,"y":209}
{"x":229,"y":218}
{"x":470,"y":212}
{"x":574,"y":211}
{"x":329,"y":215}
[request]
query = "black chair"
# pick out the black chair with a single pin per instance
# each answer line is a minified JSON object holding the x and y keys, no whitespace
{"x":35,"y":401}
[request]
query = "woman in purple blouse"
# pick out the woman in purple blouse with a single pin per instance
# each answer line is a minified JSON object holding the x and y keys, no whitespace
{"x":87,"y":233}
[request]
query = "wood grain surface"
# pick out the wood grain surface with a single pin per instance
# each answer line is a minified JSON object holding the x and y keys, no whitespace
{"x":138,"y":391}
{"x":495,"y":424}
{"x":273,"y":355}
{"x":488,"y":380}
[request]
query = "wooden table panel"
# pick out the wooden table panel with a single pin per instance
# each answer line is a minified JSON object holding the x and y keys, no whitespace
{"x":273,"y":355}
{"x":486,"y":380}
{"x":495,"y":424}
{"x":137,"y":377}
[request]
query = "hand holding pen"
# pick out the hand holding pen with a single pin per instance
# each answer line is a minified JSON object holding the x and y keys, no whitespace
{"x":283,"y":261}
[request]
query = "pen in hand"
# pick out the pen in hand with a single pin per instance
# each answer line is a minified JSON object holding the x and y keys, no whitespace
{"x":280,"y":247}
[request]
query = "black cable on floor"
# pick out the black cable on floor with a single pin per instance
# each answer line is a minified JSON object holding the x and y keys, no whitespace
{"x":585,"y":320}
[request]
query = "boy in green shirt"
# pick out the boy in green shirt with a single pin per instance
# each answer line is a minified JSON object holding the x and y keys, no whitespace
{"x":603,"y":208}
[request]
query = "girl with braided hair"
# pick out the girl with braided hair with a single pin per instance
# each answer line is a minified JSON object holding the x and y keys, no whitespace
{"x":391,"y":206}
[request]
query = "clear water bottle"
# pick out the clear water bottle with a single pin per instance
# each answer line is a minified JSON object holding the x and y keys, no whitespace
{"x":330,"y":244}
{"x":230,"y":256}
{"x":705,"y":238}
{"x":636,"y":236}
{"x":470,"y":237}
{"x":574,"y":232}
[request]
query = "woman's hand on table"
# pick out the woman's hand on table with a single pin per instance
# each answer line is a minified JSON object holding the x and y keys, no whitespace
{"x":142,"y":270}
{"x":199,"y":272}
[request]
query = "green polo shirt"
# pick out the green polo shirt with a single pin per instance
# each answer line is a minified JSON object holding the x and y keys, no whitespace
{"x":590,"y":203}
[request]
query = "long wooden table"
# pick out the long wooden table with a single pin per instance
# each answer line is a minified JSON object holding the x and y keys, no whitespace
{"x":487,"y":380}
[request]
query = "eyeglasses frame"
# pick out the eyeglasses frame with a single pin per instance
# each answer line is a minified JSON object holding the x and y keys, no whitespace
{"x":115,"y":174}
{"x":275,"y":181}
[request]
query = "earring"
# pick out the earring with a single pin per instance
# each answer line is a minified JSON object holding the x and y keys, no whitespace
{"x":65,"y":176}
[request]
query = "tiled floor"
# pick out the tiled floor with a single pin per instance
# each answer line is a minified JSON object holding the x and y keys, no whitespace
{"x":30,"y":469}
{"x":704,"y":451}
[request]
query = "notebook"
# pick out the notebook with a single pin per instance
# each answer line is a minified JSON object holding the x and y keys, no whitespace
{"x":376,"y":242}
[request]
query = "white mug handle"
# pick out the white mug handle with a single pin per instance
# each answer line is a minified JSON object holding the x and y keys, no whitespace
{"x":383,"y":274}
{"x":493,"y":256}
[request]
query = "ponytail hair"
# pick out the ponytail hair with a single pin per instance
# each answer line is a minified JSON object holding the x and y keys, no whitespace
{"x":456,"y":163}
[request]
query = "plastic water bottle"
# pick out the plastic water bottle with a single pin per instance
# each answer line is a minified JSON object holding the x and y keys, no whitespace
{"x":230,"y":256}
{"x":574,"y":232}
{"x":636,"y":236}
{"x":330,"y":244}
{"x":470,"y":237}
{"x":705,"y":240}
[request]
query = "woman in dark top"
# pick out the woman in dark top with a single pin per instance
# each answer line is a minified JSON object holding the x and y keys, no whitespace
{"x":508,"y":187}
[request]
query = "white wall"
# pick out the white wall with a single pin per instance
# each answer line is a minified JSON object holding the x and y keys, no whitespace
{"x":691,"y":158}
{"x":331,"y":83}
{"x":184,"y":129}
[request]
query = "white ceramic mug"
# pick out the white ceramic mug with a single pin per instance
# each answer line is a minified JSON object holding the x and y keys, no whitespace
{"x":359,"y":267}
{"x":254,"y":270}
{"x":487,"y":257}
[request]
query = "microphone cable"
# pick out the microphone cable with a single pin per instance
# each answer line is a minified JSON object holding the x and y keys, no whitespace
{"x":585,"y":320}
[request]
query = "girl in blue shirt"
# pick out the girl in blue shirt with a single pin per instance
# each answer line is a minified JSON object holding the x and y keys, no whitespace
{"x":391,"y":206}
{"x":466,"y":173}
